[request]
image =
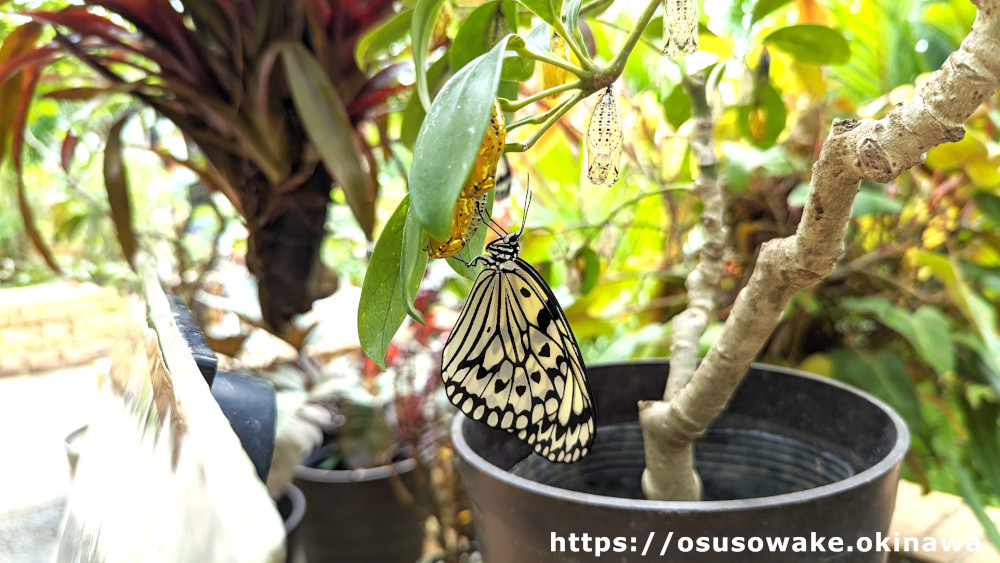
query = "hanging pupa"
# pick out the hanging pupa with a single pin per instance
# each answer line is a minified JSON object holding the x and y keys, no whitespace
{"x":680,"y":27}
{"x":604,"y":141}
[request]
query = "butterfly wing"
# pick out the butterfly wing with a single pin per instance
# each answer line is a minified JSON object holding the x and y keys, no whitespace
{"x":513,"y":362}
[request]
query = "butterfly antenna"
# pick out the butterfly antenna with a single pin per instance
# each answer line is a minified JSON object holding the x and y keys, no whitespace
{"x":527,"y":204}
{"x":458,"y":256}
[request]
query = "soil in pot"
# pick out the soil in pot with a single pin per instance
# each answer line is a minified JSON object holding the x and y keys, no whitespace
{"x":793,"y":456}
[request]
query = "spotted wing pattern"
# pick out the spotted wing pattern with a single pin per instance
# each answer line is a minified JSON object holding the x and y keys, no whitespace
{"x":513,"y":362}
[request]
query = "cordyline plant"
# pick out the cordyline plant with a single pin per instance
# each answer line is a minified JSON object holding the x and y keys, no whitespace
{"x":867,"y":149}
{"x":270,"y":92}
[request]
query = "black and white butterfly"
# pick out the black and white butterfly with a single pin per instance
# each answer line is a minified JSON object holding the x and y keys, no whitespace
{"x":512,"y":361}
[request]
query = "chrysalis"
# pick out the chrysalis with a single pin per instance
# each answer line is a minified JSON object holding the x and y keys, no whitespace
{"x":471,"y":204}
{"x":553,"y":76}
{"x":604,"y":141}
{"x":680,"y":27}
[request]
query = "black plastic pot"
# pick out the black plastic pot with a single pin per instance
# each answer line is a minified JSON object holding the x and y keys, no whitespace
{"x":359,"y":516}
{"x":292,"y":508}
{"x":793,"y":456}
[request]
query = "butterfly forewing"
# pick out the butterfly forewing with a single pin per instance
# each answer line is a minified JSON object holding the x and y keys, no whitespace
{"x":512,"y":362}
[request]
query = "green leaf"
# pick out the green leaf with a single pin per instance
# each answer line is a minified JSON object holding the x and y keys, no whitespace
{"x":549,"y":10}
{"x":379,"y":39}
{"x":116,"y":183}
{"x":764,"y":119}
{"x":872,"y":201}
{"x":425,"y":13}
{"x":449,"y":139}
{"x":984,"y":439}
{"x":927,"y":329}
{"x":413,"y":115}
{"x":414,"y":258}
{"x":984,"y":317}
{"x":590,"y":268}
{"x":811,"y":44}
{"x":762,"y":8}
{"x":882,"y":374}
{"x":989,"y":205}
{"x":677,"y":107}
{"x":974,"y":499}
{"x":480,"y":30}
{"x":383,"y":307}
{"x":474,"y":247}
{"x":329,"y":128}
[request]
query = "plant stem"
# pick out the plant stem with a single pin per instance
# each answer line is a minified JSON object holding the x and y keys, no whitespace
{"x":560,"y":110}
{"x":575,"y":44}
{"x":508,"y":105}
{"x":529,"y":54}
{"x":617,"y":64}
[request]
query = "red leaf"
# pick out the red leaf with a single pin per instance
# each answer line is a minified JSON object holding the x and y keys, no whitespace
{"x":378,"y":89}
{"x":67,"y":149}
{"x":81,"y":21}
{"x":14,"y":65}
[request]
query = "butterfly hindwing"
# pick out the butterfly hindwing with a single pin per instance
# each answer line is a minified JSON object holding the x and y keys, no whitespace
{"x":512,"y":362}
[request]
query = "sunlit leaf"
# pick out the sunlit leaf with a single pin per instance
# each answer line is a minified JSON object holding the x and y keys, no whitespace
{"x":549,"y":10}
{"x":425,"y":13}
{"x":989,"y":205}
{"x":379,"y":40}
{"x":926,"y":329}
{"x":872,"y":201}
{"x":811,"y":44}
{"x":117,"y":186}
{"x":329,"y":128}
{"x":382,"y":306}
{"x":449,"y":139}
{"x":762,"y":8}
{"x":413,"y":258}
{"x":677,"y":107}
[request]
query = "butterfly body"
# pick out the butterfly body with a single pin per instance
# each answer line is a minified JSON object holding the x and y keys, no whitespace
{"x":513,"y":362}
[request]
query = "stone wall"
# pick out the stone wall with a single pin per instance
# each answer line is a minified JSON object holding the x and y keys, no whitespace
{"x":54,"y":325}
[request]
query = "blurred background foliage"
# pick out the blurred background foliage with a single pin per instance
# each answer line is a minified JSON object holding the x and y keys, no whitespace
{"x":910,"y":313}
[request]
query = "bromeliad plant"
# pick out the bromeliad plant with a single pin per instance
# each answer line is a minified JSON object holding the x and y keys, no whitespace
{"x":487,"y":62}
{"x":271,"y":94}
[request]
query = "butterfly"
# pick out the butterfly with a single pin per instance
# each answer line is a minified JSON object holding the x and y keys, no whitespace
{"x":512,"y":361}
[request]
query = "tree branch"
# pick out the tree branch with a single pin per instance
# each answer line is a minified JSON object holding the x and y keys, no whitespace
{"x":875,"y":150}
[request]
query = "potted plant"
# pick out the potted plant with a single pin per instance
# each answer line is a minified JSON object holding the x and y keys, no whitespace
{"x":529,"y":509}
{"x":368,"y":449}
{"x":270,"y":101}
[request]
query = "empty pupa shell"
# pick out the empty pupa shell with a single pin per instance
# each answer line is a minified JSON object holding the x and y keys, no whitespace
{"x":604,"y":141}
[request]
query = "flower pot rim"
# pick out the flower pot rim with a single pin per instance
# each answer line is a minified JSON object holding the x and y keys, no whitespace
{"x":354,"y":475}
{"x":893,"y":457}
{"x":298,"y":501}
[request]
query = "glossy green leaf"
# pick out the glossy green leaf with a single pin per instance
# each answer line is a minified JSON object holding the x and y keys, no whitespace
{"x":882,"y":374}
{"x":764,"y":119}
{"x":378,"y":40}
{"x":811,"y":44}
{"x":116,"y":183}
{"x":973,"y":498}
{"x":677,"y":107}
{"x":383,"y":307}
{"x":413,"y":115}
{"x":450,"y":137}
{"x":329,"y":128}
{"x":872,"y":201}
{"x":480,"y":30}
{"x":983,"y":315}
{"x":413,"y":258}
{"x":475,"y":246}
{"x":989,"y":205}
{"x":549,"y":10}
{"x":762,"y":8}
{"x":425,"y":13}
{"x":927,"y":329}
{"x":589,"y":266}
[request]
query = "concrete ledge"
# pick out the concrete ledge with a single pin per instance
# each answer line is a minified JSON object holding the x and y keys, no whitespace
{"x":56,"y":325}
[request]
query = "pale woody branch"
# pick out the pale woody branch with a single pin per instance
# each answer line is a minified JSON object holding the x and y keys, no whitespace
{"x":875,"y":150}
